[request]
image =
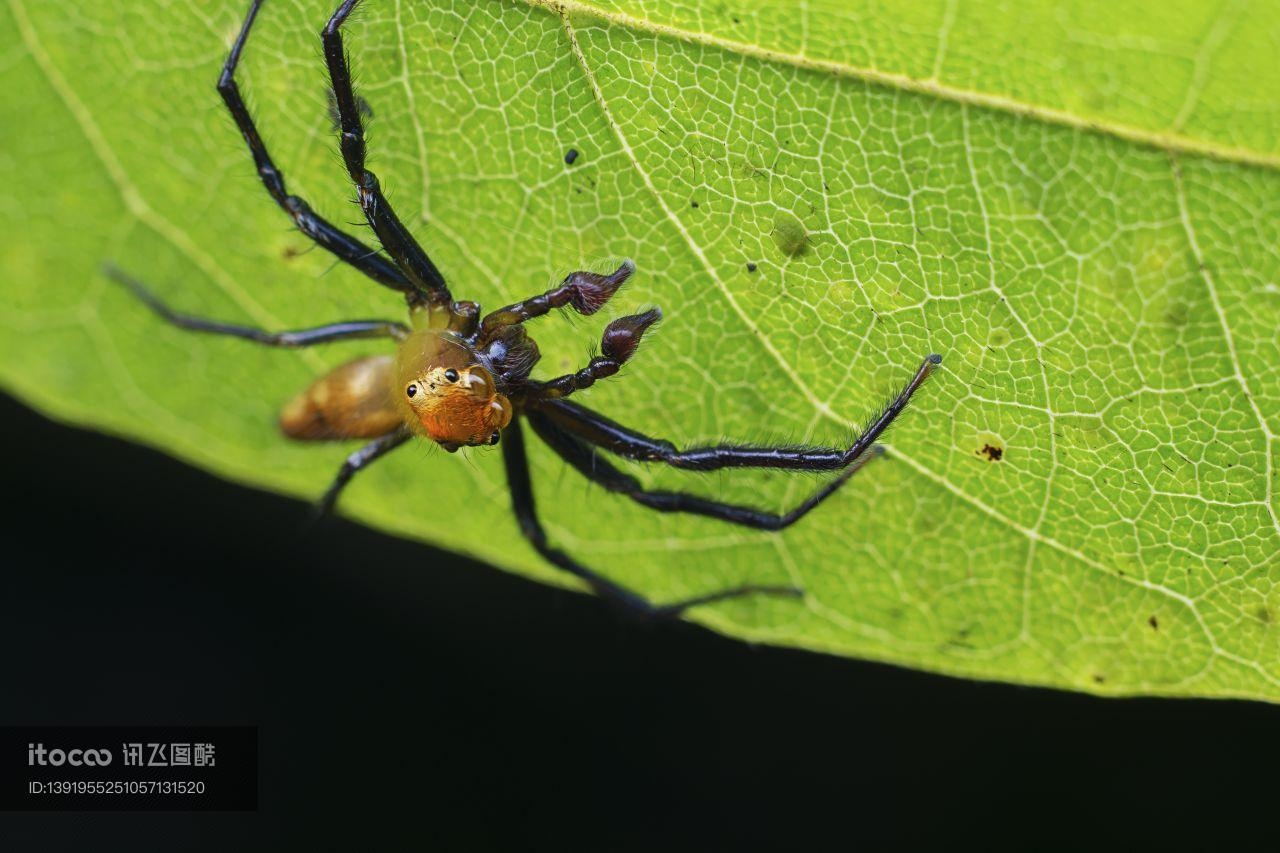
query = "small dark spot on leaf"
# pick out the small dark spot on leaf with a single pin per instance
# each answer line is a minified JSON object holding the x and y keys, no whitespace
{"x":993,"y":452}
{"x":693,"y":204}
{"x":1264,"y":614}
{"x":570,"y":156}
{"x":751,"y":267}
{"x":1154,"y":623}
{"x":1099,"y":678}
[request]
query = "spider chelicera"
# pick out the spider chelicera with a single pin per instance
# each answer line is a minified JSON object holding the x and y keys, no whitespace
{"x":462,"y":379}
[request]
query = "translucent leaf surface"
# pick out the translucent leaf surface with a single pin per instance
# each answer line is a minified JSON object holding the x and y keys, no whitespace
{"x":1079,"y":208}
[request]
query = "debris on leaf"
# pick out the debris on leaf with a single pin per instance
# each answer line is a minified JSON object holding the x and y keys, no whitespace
{"x":789,"y":233}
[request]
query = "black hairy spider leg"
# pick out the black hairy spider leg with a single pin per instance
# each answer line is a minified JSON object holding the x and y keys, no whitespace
{"x":348,"y":330}
{"x":586,"y":292}
{"x":314,"y":226}
{"x":396,"y":239}
{"x":588,"y":462}
{"x":618,"y":344}
{"x":610,"y":435}
{"x":516,"y":459}
{"x":358,"y":460}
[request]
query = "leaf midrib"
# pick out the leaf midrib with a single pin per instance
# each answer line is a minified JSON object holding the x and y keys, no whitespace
{"x":1174,"y":143}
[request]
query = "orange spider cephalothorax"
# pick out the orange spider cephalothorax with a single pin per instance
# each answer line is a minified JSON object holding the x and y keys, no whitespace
{"x":446,"y":392}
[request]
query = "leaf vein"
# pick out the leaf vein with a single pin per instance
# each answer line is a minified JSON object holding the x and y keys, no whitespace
{"x":1173,"y":142}
{"x":133,"y":199}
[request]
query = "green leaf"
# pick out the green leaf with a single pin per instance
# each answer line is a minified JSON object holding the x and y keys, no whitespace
{"x":1079,"y":208}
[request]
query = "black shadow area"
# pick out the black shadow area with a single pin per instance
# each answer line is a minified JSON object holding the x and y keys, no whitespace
{"x":410,"y":699}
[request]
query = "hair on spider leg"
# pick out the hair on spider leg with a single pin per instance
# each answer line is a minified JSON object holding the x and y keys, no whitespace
{"x":291,"y":251}
{"x":335,"y":122}
{"x":888,"y":411}
{"x":333,"y":265}
{"x":459,"y":378}
{"x":338,"y":261}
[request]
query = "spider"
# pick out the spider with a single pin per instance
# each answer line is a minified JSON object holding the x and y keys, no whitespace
{"x":462,"y":379}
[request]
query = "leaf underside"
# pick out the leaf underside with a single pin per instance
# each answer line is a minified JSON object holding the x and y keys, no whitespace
{"x":1079,"y":208}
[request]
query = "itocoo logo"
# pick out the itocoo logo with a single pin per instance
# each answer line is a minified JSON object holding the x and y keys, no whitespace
{"x":38,"y":755}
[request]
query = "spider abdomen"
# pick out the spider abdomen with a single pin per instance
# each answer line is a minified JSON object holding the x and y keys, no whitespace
{"x":351,"y":401}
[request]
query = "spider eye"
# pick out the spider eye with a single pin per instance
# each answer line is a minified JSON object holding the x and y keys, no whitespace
{"x":411,"y":390}
{"x":451,"y":375}
{"x":493,"y":439}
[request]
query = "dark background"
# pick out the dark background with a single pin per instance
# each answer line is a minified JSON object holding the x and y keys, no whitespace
{"x":411,"y":699}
